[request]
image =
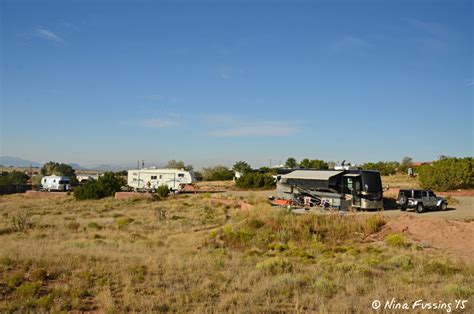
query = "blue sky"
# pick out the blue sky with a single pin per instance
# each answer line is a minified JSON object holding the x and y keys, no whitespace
{"x":206,"y":82}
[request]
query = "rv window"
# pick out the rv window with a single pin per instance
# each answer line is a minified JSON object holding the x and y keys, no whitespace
{"x":134,"y":179}
{"x":54,"y":180}
{"x":425,"y":194}
{"x":180,"y":175}
{"x":153,"y":177}
{"x":431,"y":194}
{"x":161,"y":176}
{"x":417,"y":194}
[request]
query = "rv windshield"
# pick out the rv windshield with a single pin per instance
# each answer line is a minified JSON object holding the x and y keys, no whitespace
{"x":371,"y":181}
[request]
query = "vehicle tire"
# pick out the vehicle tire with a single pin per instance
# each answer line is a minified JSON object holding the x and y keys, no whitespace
{"x":419,"y":208}
{"x":443,"y":206}
{"x":403,"y":208}
{"x":403,"y":200}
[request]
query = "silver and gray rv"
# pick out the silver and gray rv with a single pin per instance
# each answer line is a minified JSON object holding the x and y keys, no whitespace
{"x":340,"y":189}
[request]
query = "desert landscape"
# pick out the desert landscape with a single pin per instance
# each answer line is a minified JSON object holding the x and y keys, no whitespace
{"x":228,"y":251}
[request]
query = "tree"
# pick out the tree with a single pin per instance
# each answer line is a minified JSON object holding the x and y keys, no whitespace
{"x":104,"y":186}
{"x":13,"y":178}
{"x":448,"y":173}
{"x":242,"y":166}
{"x":217,"y":173}
{"x":55,"y":168}
{"x":385,"y":168}
{"x":173,"y":164}
{"x":314,"y":164}
{"x":291,"y":163}
{"x":407,"y":162}
{"x":255,"y":180}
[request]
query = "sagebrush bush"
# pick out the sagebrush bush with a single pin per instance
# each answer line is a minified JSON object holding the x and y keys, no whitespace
{"x":105,"y":186}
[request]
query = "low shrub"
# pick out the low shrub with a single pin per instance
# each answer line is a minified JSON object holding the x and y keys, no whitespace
{"x":163,"y":191}
{"x":275,"y":265}
{"x":440,"y":268}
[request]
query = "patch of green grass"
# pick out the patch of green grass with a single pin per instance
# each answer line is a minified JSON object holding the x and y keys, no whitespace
{"x":123,"y":223}
{"x":459,"y":291}
{"x":28,"y":289}
{"x":94,"y":225}
{"x":397,"y":240}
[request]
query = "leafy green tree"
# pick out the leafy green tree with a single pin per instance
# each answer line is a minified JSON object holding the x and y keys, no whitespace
{"x":60,"y":169}
{"x":314,"y":164}
{"x":291,"y":163}
{"x":448,"y":173}
{"x":106,"y":185}
{"x":242,"y":166}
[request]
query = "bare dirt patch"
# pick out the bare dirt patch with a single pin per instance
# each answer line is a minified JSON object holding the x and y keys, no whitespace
{"x":456,"y":237}
{"x":32,"y":193}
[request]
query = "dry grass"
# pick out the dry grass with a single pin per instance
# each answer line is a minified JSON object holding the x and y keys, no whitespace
{"x":185,"y":254}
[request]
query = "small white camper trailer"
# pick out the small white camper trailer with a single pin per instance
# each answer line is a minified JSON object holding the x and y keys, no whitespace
{"x":151,"y":179}
{"x":55,"y":183}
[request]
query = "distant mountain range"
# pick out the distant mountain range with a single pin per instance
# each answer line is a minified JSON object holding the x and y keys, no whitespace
{"x":10,"y":161}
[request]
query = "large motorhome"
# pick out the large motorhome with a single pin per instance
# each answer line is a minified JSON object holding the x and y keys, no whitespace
{"x":341,"y":189}
{"x":150,"y":178}
{"x":55,"y":183}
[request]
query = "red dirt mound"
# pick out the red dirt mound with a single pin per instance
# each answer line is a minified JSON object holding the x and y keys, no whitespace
{"x":456,"y":237}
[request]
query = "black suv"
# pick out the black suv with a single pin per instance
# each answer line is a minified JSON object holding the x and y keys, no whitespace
{"x":419,"y":200}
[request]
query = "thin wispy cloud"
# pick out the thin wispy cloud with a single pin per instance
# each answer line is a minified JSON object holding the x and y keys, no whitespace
{"x":434,"y":29}
{"x":350,"y":44}
{"x":47,"y":34}
{"x":470,"y":82}
{"x":231,"y":126}
{"x":160,"y":123}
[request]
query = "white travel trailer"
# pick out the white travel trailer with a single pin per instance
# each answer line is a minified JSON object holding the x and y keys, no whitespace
{"x":151,"y":179}
{"x":55,"y":183}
